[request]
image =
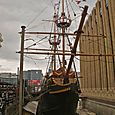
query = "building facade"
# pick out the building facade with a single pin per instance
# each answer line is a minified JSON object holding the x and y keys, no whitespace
{"x":33,"y":75}
{"x":32,"y":81}
{"x":10,"y":78}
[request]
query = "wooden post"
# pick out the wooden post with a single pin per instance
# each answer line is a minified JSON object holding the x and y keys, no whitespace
{"x":77,"y":39}
{"x":21,"y":101}
{"x":63,"y":37}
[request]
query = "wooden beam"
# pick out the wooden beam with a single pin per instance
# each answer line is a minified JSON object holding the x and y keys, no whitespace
{"x":71,"y":34}
{"x":76,"y":41}
{"x":79,"y":54}
{"x":48,"y":50}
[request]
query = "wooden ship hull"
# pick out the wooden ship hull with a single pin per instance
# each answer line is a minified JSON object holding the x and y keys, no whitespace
{"x":59,"y":98}
{"x":64,"y":103}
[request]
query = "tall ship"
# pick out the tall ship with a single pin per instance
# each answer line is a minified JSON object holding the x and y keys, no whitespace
{"x":60,"y":88}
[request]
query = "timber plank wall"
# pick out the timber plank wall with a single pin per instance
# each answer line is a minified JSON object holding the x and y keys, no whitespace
{"x":98,"y":72}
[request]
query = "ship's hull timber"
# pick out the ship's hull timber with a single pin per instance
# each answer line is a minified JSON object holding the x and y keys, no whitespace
{"x":62,"y":101}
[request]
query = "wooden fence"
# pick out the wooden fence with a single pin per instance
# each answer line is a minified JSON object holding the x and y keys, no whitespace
{"x":98,"y":72}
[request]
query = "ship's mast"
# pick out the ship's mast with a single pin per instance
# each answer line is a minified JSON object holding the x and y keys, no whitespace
{"x":60,"y":22}
{"x":55,"y":46}
{"x":63,"y":31}
{"x":54,"y":41}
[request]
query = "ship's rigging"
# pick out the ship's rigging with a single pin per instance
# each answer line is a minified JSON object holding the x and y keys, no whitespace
{"x":61,"y":81}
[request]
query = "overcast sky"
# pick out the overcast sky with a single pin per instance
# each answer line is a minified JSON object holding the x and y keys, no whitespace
{"x":14,"y":14}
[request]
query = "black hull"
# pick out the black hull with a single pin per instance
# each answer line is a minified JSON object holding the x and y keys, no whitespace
{"x":64,"y":103}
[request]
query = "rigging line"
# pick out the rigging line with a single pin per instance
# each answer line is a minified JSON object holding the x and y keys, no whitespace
{"x":34,"y":26}
{"x":76,"y":21}
{"x":59,"y":58}
{"x":51,"y":28}
{"x":43,"y":45}
{"x":76,"y":5}
{"x":72,"y":9}
{"x":48,"y":65}
{"x":43,"y":42}
{"x":86,"y":60}
{"x":76,"y":17}
{"x":70,"y":44}
{"x":34,"y":58}
{"x":67,"y":9}
{"x":31,"y":59}
{"x":36,"y":42}
{"x":58,"y":7}
{"x":52,"y":2}
{"x":76,"y":74}
{"x":38,"y":15}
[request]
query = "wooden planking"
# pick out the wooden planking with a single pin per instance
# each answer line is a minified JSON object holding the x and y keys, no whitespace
{"x":97,"y":42}
{"x":85,"y":70}
{"x":91,"y":59}
{"x":86,"y":65}
{"x":107,"y":32}
{"x":94,"y":58}
{"x":81,"y":64}
{"x":101,"y":45}
{"x":95,"y":48}
{"x":85,"y":58}
{"x":87,"y":51}
{"x":105,"y":78}
{"x":99,"y":28}
{"x":101,"y":21}
{"x":111,"y":8}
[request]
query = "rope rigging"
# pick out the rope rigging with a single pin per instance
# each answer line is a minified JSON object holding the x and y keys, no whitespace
{"x":38,"y":15}
{"x":35,"y":58}
{"x":48,"y":65}
{"x":67,"y":8}
{"x":36,"y":42}
{"x":56,"y":11}
{"x":72,"y":8}
{"x":34,"y":26}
